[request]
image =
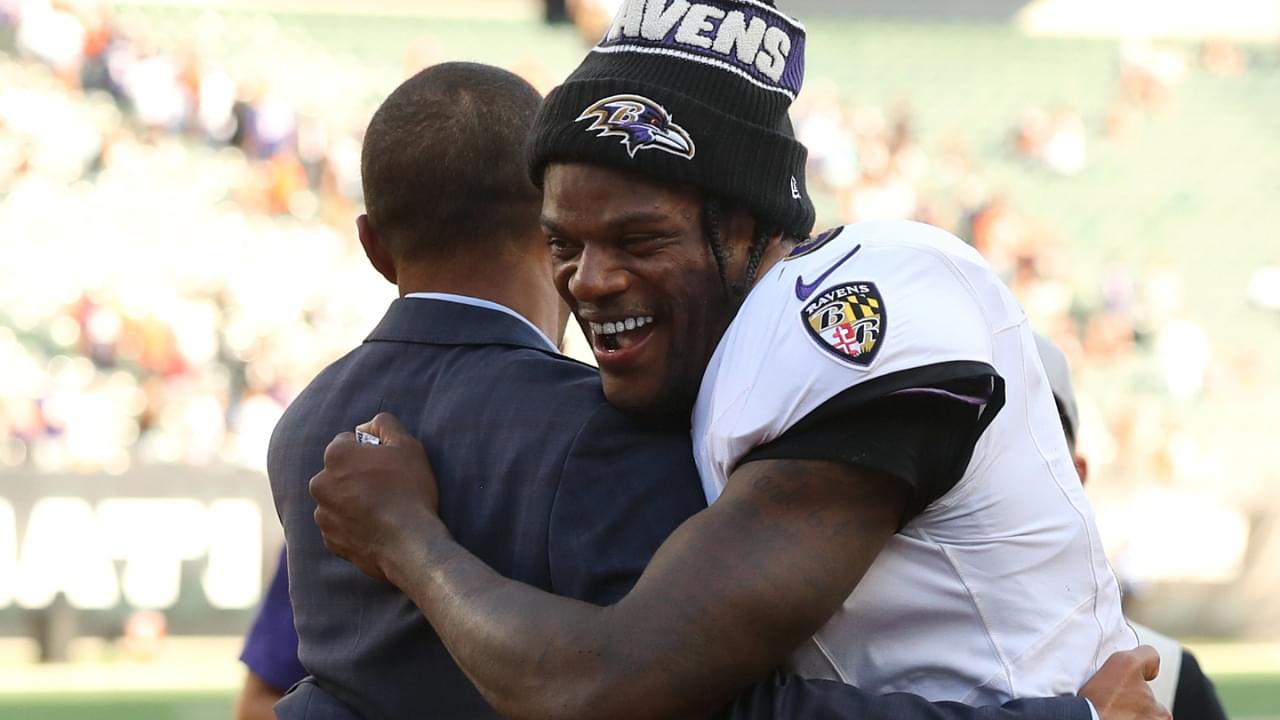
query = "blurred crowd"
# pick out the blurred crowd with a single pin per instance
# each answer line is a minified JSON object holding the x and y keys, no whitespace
{"x":174,"y":264}
{"x":196,"y":264}
{"x":300,"y":161}
{"x":1130,"y":333}
{"x":868,"y":160}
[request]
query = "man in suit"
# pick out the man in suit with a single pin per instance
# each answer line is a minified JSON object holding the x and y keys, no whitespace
{"x":468,"y":356}
{"x":539,"y":476}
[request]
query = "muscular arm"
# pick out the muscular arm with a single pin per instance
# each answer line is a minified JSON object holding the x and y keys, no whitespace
{"x":728,"y":596}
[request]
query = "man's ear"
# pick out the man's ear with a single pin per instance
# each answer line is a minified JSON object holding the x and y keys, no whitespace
{"x":375,"y":250}
{"x":739,"y":228}
{"x":562,"y":320}
{"x":1082,"y":468}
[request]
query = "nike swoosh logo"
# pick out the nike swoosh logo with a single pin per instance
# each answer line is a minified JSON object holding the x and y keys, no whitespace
{"x":805,"y":290}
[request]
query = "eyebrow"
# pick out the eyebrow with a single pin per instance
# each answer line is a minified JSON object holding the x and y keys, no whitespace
{"x":638,"y":216}
{"x":549,"y":224}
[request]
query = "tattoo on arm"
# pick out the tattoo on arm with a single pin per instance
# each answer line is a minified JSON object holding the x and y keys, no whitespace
{"x":726,"y":598}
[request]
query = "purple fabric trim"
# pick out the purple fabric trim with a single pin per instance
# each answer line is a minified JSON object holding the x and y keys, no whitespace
{"x":967,"y":399}
{"x":271,"y":648}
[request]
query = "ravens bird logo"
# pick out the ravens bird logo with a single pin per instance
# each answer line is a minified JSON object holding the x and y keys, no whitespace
{"x":641,"y":123}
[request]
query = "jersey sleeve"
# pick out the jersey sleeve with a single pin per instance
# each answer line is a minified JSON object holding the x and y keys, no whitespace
{"x":880,"y":314}
{"x":889,"y":316}
{"x":923,"y":437}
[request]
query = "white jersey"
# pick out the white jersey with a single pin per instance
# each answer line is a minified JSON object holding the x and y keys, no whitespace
{"x":997,"y":589}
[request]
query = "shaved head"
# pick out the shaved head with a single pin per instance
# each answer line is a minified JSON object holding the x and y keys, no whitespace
{"x":444,"y":165}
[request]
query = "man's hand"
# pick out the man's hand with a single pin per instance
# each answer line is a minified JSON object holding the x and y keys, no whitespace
{"x":1119,"y":691}
{"x":372,"y":499}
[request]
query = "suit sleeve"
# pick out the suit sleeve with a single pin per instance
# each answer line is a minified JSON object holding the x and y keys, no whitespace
{"x":787,"y":697}
{"x":622,"y":491}
{"x":922,"y":435}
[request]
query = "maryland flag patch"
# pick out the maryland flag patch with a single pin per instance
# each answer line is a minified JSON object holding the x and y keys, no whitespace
{"x":848,"y":321}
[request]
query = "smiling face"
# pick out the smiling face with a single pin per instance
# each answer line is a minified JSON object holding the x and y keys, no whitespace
{"x":632,"y":260}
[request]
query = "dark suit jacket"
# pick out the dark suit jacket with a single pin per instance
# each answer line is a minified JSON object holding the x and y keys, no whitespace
{"x":539,"y":477}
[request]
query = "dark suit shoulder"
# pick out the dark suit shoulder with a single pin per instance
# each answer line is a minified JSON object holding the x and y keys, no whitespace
{"x":396,"y":372}
{"x":554,"y":373}
{"x":623,"y":489}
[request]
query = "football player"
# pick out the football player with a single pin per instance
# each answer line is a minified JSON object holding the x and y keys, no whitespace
{"x":892,"y":501}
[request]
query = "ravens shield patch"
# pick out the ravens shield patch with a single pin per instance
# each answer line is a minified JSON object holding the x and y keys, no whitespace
{"x":847,"y":320}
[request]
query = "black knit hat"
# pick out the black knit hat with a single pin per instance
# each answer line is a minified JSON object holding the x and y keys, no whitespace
{"x":694,"y":92}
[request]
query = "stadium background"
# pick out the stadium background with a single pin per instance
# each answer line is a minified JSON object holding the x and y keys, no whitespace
{"x":177,"y":187}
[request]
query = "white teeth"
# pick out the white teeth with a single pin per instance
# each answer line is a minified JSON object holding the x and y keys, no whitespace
{"x":612,"y":328}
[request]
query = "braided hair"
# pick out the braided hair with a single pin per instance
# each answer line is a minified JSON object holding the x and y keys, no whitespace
{"x":711,"y":220}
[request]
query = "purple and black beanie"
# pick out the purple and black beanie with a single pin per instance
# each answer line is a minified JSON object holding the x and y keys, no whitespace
{"x":695,"y":93}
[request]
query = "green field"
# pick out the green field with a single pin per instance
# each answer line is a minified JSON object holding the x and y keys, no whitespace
{"x":1247,"y":697}
{"x":118,"y":706}
{"x":1251,"y":696}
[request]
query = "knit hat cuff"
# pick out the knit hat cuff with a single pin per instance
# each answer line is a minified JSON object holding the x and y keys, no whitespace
{"x":762,"y":169}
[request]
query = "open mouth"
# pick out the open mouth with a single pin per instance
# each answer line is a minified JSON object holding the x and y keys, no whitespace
{"x":618,"y":335}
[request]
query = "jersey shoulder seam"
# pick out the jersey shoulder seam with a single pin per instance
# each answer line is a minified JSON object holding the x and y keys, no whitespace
{"x":950,"y":264}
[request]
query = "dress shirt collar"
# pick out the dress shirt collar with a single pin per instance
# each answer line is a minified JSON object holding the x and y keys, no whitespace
{"x":487,"y":304}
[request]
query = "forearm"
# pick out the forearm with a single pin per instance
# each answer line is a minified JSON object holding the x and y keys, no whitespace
{"x":530,"y":654}
{"x":726,"y":598}
{"x":670,"y":649}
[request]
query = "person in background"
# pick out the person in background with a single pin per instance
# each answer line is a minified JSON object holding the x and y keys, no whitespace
{"x":270,"y":652}
{"x":556,"y":12}
{"x":1181,"y":686}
